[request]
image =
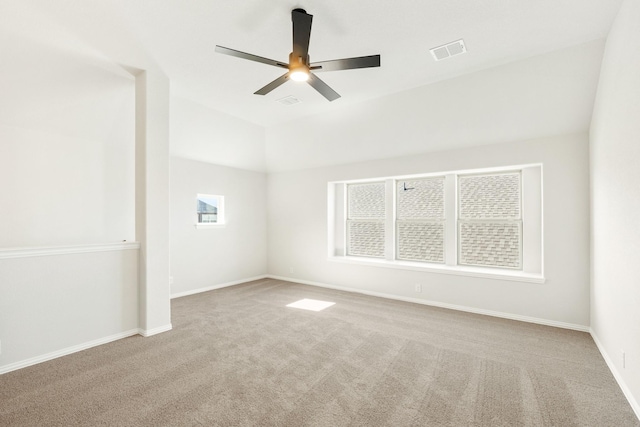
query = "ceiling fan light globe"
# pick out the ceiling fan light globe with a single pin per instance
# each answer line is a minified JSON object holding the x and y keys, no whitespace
{"x":299,"y":76}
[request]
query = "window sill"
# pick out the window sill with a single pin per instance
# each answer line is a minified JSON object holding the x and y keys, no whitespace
{"x":490,"y":273}
{"x":205,"y":226}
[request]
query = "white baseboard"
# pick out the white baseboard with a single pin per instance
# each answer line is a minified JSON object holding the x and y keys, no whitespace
{"x":105,"y":340}
{"x":150,"y":332}
{"x":581,"y":328}
{"x":66,"y":351}
{"x":635,"y":405}
{"x":222,"y":285}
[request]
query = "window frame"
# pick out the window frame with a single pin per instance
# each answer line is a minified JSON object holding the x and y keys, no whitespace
{"x":349,"y":219}
{"x":220,"y":219}
{"x":424,"y":220}
{"x":519,"y":220}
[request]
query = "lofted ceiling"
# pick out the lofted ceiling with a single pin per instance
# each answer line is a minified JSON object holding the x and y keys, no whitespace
{"x":179,"y":36}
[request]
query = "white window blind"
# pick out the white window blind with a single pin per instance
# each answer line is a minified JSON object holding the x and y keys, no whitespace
{"x":366,"y":219}
{"x":490,"y":220}
{"x":420,"y":219}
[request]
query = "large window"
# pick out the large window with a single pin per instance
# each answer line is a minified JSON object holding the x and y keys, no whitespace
{"x":464,"y":221}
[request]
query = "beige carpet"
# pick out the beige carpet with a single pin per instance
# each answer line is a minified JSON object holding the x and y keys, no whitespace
{"x":239,"y":357}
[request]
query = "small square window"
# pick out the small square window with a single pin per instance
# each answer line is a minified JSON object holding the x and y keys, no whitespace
{"x":209,"y":210}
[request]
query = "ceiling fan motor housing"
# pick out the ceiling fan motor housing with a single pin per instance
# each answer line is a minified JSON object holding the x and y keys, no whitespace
{"x":296,"y":62}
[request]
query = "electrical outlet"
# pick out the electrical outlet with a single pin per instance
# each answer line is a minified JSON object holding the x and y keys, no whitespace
{"x":418,"y":288}
{"x":0,"y":347}
{"x":291,"y":270}
{"x":624,"y":360}
{"x":171,"y":280}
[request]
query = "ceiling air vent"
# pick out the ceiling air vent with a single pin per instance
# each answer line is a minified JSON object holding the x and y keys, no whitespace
{"x":448,"y":50}
{"x":288,"y":100}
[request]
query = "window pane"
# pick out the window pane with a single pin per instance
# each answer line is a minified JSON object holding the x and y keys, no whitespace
{"x":421,"y":241}
{"x":490,"y":196}
{"x":207,"y":209}
{"x":490,"y":244}
{"x":421,"y":198}
{"x":366,"y":238}
{"x":366,"y":201}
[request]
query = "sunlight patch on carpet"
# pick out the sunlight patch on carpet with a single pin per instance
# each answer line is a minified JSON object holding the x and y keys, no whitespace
{"x":311,"y":304}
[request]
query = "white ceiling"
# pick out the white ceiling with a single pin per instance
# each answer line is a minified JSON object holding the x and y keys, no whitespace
{"x":545,"y":95}
{"x":179,"y":36}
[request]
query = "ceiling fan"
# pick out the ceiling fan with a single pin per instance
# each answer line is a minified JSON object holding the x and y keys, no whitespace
{"x":299,"y":68}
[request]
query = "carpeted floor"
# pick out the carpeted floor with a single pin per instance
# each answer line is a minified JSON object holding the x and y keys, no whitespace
{"x":238,"y":357}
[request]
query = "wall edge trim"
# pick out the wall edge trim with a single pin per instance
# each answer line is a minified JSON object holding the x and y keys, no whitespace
{"x":155,"y":331}
{"x":219,"y":286}
{"x":546,"y":322}
{"x":10,"y":253}
{"x":66,"y":351}
{"x":635,"y":405}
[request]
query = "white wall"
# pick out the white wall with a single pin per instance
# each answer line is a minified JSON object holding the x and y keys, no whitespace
{"x":550,"y":94}
{"x":67,"y":167}
{"x":66,"y":149}
{"x":54,"y":304}
{"x":203,"y":258}
{"x":152,"y":208}
{"x":206,"y":135}
{"x":615,"y":193}
{"x":298,"y":231}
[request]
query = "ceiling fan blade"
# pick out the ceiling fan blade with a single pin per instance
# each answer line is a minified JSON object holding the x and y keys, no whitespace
{"x":322,"y":87}
{"x":347,"y":63}
{"x":250,"y":57}
{"x":301,"y":33}
{"x":271,"y":86}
